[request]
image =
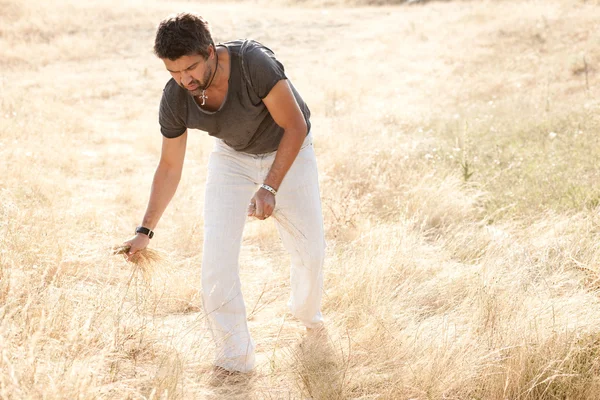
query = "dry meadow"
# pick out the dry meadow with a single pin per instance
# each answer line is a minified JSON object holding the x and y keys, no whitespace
{"x":459,"y":163}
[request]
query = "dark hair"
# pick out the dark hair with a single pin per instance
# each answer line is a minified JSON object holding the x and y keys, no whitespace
{"x":184,"y":34}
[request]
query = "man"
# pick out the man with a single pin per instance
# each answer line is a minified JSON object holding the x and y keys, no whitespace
{"x":263,"y":164}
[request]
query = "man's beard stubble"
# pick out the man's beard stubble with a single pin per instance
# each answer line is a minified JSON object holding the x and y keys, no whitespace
{"x":201,"y":85}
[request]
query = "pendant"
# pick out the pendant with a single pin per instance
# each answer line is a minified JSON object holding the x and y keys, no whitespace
{"x":203,"y":96}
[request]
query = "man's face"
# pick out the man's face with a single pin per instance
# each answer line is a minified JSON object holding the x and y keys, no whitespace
{"x":192,"y":73}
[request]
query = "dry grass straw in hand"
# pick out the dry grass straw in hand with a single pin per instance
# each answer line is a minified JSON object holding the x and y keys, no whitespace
{"x":145,"y":260}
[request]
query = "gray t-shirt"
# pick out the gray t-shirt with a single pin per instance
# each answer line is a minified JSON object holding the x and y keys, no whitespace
{"x":243,"y":121}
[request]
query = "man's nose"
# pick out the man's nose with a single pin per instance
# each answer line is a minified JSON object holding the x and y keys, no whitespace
{"x":186,"y":78}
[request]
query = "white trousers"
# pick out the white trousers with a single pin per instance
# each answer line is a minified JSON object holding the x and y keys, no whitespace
{"x":233,"y":178}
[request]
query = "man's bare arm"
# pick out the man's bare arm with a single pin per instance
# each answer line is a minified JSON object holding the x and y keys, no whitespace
{"x":164,"y":185}
{"x":285,"y":111}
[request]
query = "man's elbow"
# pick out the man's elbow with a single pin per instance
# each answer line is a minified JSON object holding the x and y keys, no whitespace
{"x":169,"y":168}
{"x":298,"y":127}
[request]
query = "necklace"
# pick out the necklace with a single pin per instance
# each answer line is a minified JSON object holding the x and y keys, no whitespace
{"x":203,"y":96}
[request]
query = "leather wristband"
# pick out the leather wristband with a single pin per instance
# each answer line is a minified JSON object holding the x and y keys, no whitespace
{"x":145,"y":231}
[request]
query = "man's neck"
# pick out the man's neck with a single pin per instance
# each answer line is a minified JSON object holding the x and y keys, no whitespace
{"x":222,"y":75}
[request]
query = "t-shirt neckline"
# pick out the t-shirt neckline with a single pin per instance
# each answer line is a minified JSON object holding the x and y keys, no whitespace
{"x":228,"y":86}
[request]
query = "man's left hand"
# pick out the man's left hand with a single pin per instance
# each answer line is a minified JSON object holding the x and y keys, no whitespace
{"x":262,"y":204}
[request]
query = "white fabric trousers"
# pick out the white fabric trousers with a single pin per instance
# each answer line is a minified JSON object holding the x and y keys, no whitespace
{"x":233,"y":178}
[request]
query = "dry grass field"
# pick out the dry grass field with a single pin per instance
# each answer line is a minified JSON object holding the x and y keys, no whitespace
{"x":459,"y":157}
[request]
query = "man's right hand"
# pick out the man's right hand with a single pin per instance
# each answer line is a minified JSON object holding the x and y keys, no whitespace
{"x":136,"y":243}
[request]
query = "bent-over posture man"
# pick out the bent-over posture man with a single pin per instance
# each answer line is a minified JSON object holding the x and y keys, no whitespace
{"x":263,"y":164}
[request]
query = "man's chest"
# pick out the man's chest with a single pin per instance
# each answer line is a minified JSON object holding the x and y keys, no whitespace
{"x":211,"y":101}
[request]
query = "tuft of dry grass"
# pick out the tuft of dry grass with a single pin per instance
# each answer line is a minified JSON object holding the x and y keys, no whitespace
{"x":145,"y":260}
{"x":320,"y":367}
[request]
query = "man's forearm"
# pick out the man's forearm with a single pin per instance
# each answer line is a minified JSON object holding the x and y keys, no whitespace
{"x":165,"y":182}
{"x":286,"y":154}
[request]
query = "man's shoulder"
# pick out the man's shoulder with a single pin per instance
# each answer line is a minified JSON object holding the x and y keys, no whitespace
{"x":245,"y":47}
{"x":172,"y":88}
{"x":233,"y":45}
{"x":252,"y":46}
{"x":172,"y":110}
{"x":173,"y":93}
